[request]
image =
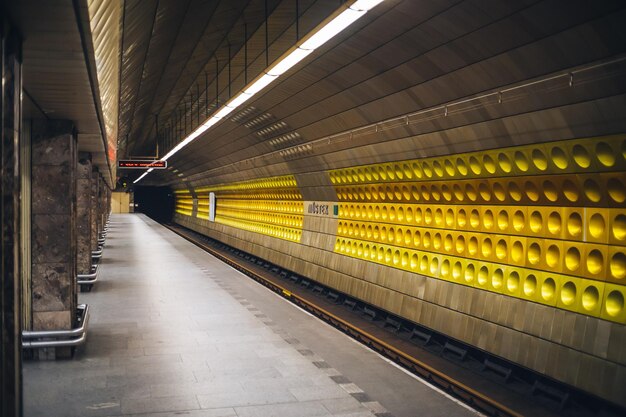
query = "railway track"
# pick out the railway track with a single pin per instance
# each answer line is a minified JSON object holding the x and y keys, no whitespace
{"x":470,"y":396}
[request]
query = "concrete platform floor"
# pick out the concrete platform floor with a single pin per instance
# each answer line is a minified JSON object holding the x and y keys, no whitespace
{"x":174,"y":331}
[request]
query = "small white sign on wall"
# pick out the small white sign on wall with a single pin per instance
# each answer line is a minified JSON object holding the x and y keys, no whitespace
{"x":211,"y":207}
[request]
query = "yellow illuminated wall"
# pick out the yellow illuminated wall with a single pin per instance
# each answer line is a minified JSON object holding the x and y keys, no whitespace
{"x":545,"y":223}
{"x":183,"y":202}
{"x":269,"y":206}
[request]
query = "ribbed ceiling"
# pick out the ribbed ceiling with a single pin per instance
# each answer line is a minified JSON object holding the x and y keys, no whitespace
{"x":173,"y":49}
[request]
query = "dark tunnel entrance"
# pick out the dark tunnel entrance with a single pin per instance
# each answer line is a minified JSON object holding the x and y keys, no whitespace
{"x":155,"y":202}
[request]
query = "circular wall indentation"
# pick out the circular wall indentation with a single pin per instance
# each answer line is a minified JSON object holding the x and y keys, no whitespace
{"x":470,"y":192}
{"x":554,"y":222}
{"x":469,"y":273}
{"x":497,"y":278}
{"x":406,"y":170}
{"x":437,"y":168}
{"x":434,"y":265}
{"x":592,"y":190}
{"x":439,"y":217}
{"x":536,"y":221}
{"x":590,"y":298}
{"x":540,"y":161}
{"x":458,"y":192}
{"x":426,"y":241}
{"x":568,"y":293}
{"x":514,"y":191}
{"x":512,"y":282}
{"x":548,"y":289}
{"x":461,"y":166}
{"x":449,"y":218}
{"x":501,"y":249}
{"x":597,"y":225}
{"x":428,"y":216}
{"x":424,"y":263}
{"x":445,"y":269}
{"x":605,"y":154}
{"x":553,"y":256}
{"x":534,"y":253}
{"x":449,"y":166}
{"x":488,"y":219}
{"x":489,"y":164}
{"x":408,"y":215}
{"x":531,"y":191}
{"x":530,"y":285}
{"x":437,"y":241}
{"x":425,"y":193}
{"x":475,"y":165}
{"x":550,"y":191}
{"x":446,"y":193}
{"x":414,"y":261}
{"x":483,"y":275}
{"x":617,"y":265}
{"x":521,"y":162}
{"x":474,"y":219}
{"x":572,"y":258}
{"x":405,"y":259}
{"x":417,"y":170}
{"x":388,"y":256}
{"x":618,"y":228}
{"x":408,"y":238}
{"x":460,"y":244}
{"x":517,"y":251}
{"x":617,"y":191}
{"x":581,"y":156}
{"x":595,"y":261}
{"x":486,"y":248}
{"x":503,"y":220}
{"x":457,"y":270}
{"x":559,"y":157}
{"x":519,"y":220}
{"x":472,"y":245}
{"x":504,"y":162}
{"x":614,"y":304}
{"x":461,"y":220}
{"x":485,"y":192}
{"x":574,"y":224}
{"x":498,"y":191}
{"x":570,"y":191}
{"x":448,"y":242}
{"x":428,"y":172}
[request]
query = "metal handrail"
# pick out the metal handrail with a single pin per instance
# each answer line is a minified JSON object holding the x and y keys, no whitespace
{"x":92,"y":278}
{"x":81,"y":332}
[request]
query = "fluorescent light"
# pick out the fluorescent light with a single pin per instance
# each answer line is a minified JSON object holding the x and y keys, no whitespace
{"x":260,"y":84}
{"x":223,"y":112}
{"x":339,"y":23}
{"x":365,"y":4}
{"x":238,"y":100}
{"x":328,"y":31}
{"x":289,"y":61}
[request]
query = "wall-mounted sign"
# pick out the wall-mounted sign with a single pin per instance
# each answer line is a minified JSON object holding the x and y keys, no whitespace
{"x":321,"y":208}
{"x":141,"y":164}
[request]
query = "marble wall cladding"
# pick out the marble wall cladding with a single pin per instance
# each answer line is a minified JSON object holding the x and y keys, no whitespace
{"x":83,"y":213}
{"x":10,"y":236}
{"x":53,"y":217}
{"x":95,"y":223}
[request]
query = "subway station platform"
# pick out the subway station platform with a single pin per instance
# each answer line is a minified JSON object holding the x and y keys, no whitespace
{"x":174,"y":331}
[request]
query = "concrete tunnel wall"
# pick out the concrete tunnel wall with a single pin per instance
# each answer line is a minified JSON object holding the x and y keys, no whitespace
{"x":487,"y":203}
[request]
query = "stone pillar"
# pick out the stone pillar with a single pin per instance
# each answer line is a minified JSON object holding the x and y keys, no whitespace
{"x":10,"y":271}
{"x":83,"y":213}
{"x":101,"y":203}
{"x":95,"y":225}
{"x":54,"y":154}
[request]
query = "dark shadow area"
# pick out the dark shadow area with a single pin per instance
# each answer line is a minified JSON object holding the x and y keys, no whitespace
{"x":155,"y":202}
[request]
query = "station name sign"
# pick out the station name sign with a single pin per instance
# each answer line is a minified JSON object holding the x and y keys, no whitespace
{"x":321,"y":208}
{"x":141,"y":164}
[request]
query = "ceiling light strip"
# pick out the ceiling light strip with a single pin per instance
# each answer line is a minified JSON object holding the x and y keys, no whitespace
{"x":316,"y":38}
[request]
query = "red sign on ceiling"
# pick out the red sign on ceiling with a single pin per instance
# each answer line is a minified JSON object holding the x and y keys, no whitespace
{"x":141,"y":164}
